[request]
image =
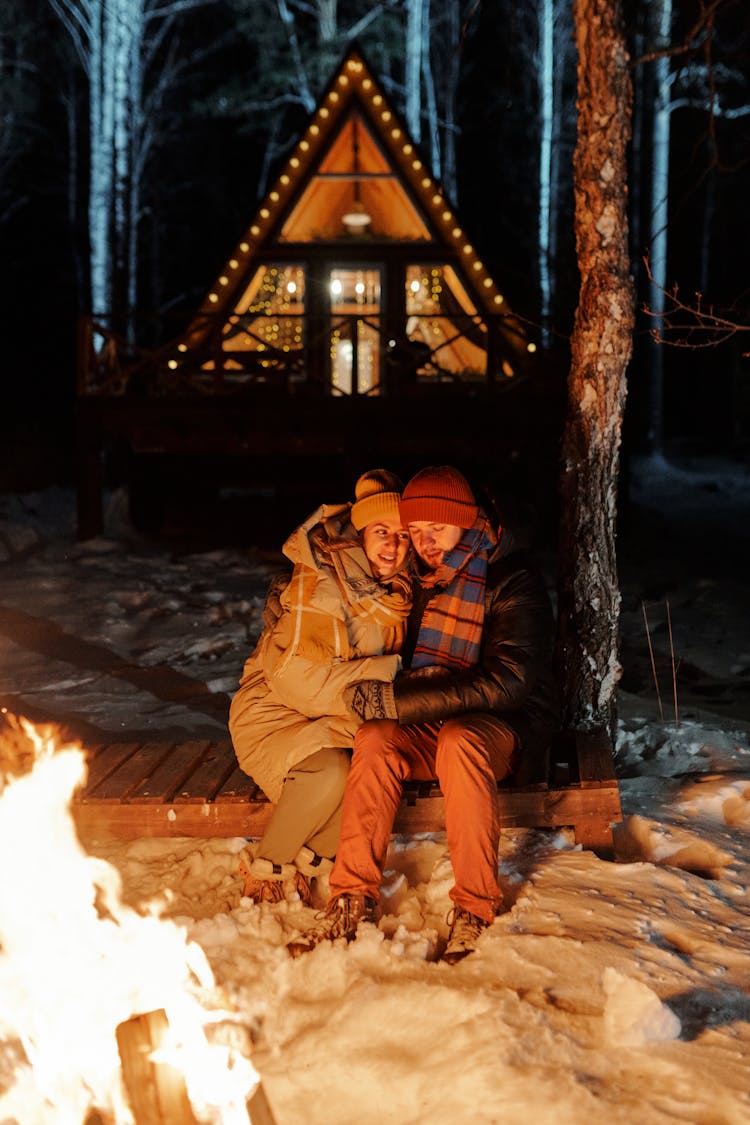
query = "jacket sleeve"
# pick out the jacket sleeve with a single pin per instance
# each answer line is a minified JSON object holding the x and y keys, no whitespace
{"x":307,"y":658}
{"x":516,"y":643}
{"x":316,"y":689}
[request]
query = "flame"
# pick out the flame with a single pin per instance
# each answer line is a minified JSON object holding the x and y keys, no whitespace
{"x":75,"y":962}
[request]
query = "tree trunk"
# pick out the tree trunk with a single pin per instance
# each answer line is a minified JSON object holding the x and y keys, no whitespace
{"x":589,"y":597}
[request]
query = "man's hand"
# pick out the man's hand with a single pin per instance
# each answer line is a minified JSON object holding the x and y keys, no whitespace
{"x":371,"y":699}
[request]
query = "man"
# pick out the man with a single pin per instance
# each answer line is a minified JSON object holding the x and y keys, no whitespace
{"x":477,"y":704}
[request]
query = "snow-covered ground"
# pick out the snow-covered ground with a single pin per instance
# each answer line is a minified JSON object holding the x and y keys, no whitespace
{"x":614,"y":990}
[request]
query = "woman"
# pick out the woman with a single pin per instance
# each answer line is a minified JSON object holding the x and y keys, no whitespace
{"x":342,"y":619}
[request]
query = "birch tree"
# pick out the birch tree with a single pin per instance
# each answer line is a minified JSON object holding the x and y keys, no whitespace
{"x":115,"y":42}
{"x":589,"y":598}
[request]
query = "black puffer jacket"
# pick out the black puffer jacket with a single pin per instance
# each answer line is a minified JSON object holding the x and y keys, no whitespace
{"x":514,"y":677}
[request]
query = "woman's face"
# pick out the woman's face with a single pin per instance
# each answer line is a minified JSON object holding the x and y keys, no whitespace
{"x":385,"y":542}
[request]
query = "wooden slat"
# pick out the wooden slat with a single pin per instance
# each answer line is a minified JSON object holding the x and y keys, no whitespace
{"x":133,"y":771}
{"x":105,"y":763}
{"x":217,"y":765}
{"x":173,"y":772}
{"x":239,"y":788}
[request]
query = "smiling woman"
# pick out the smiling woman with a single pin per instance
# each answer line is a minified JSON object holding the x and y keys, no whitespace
{"x":338,"y":621}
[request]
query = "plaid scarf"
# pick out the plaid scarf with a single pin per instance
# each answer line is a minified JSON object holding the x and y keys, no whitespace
{"x":450,"y":633}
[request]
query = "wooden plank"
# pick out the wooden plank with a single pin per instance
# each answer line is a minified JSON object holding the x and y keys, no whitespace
{"x":132,"y":772}
{"x":214,"y":770}
{"x":141,"y":821}
{"x":163,"y":781}
{"x":105,"y":763}
{"x":239,"y":788}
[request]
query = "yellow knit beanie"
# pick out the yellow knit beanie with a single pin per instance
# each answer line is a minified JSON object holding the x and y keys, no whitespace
{"x":378,"y":493}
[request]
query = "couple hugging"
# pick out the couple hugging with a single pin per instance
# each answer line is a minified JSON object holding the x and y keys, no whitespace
{"x":412,"y":641}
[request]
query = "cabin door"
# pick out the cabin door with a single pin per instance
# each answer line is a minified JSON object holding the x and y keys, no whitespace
{"x":355,"y":326}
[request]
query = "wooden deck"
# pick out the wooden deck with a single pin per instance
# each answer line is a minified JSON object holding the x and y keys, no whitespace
{"x":197,"y":789}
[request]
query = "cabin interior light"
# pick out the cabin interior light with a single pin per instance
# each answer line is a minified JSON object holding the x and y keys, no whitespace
{"x":291,"y":287}
{"x":359,"y":288}
{"x":415,"y":286}
{"x":336,"y":287}
{"x":357,"y":218}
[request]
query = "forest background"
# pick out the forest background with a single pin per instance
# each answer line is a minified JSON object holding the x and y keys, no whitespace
{"x":138,"y":136}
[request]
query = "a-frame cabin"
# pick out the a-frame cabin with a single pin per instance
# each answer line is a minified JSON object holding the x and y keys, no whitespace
{"x":354,"y":284}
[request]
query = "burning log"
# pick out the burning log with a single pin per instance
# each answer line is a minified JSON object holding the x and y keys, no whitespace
{"x":156,"y":1089}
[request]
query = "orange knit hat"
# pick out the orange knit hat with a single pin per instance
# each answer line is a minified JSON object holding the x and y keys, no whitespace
{"x":378,"y":493}
{"x":439,"y":494}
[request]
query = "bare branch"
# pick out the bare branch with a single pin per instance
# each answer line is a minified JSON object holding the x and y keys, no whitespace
{"x":690,"y":323}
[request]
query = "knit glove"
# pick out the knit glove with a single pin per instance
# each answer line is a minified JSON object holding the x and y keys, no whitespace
{"x":371,"y":699}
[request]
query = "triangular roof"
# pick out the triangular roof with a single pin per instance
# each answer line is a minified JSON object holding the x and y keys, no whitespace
{"x":400,"y":194}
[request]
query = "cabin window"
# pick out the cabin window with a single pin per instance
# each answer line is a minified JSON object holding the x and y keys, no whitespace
{"x":268,"y":323}
{"x":354,"y":295}
{"x":444,"y":323}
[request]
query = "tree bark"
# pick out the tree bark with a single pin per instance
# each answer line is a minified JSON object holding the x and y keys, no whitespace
{"x":589,"y":597}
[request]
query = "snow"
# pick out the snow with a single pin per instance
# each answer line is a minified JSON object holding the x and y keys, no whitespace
{"x":605,"y":990}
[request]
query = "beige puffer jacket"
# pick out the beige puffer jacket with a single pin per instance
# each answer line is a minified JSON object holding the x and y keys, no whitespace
{"x":338,"y":626}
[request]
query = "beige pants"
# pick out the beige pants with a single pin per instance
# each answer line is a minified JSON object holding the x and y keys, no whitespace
{"x":309,"y":809}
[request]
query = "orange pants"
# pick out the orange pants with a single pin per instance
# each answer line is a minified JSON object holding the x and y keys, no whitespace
{"x":468,"y":756}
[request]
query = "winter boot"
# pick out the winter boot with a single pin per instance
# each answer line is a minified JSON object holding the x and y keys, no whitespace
{"x":264,"y":881}
{"x":340,"y":920}
{"x":466,"y":929}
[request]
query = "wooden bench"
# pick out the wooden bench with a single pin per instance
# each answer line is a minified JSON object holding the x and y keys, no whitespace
{"x":197,"y":789}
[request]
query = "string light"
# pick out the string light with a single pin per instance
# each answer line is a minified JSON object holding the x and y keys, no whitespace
{"x":233,"y":263}
{"x":244,"y":246}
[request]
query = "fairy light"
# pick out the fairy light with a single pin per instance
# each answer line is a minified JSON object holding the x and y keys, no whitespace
{"x":274,"y":196}
{"x":254,"y":230}
{"x":531,"y":348}
{"x":416,"y":165}
{"x":333,"y":96}
{"x":367,"y":84}
{"x":233,"y":263}
{"x":294,"y":162}
{"x":264,"y":212}
{"x":213,"y":298}
{"x":223,"y":280}
{"x":172,"y":364}
{"x":498,"y":298}
{"x":468,"y":249}
{"x":395,"y":133}
{"x":284,"y":179}
{"x":477,"y":265}
{"x":182,"y":347}
{"x":437,"y":200}
{"x":386,"y":115}
{"x":304,"y":145}
{"x":407,"y":150}
{"x":245,"y":246}
{"x":343,"y":80}
{"x":377,"y":100}
{"x":457,"y":232}
{"x":426,"y":182}
{"x":315,"y":129}
{"x":323,"y":112}
{"x":487,"y":283}
{"x":447,"y":217}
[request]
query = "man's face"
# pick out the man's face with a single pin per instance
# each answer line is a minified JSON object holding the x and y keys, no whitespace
{"x":386,"y":543}
{"x":432,"y":541}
